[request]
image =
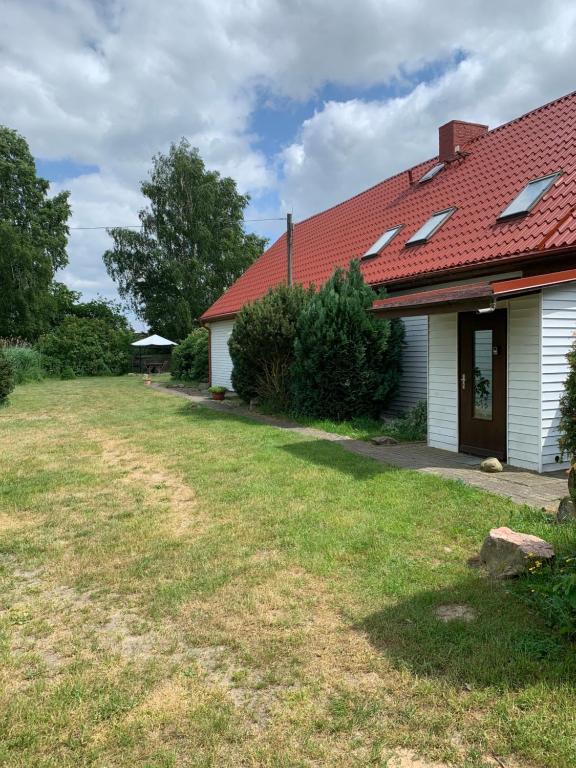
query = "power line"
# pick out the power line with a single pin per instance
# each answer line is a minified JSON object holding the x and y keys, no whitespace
{"x":139,"y":226}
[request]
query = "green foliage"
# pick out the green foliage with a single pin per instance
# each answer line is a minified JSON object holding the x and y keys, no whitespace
{"x":217,"y":390}
{"x":88,"y":346}
{"x":190,"y":357}
{"x":567,"y":440}
{"x":347,"y":362}
{"x":33,"y":239}
{"x":553,"y":589}
{"x":262,"y":345}
{"x":26,"y":363}
{"x":192,"y":245}
{"x":412,"y":426}
{"x":6,"y":377}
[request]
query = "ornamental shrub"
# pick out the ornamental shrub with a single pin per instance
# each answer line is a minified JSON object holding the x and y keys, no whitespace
{"x":6,"y":377}
{"x":190,"y":357}
{"x":262,"y":345}
{"x":89,"y":346}
{"x":347,"y":362}
{"x":567,"y":440}
{"x":26,"y":363}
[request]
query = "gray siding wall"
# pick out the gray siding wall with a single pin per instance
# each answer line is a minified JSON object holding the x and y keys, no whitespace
{"x":443,"y":381}
{"x":414,"y":381}
{"x":220,"y":361}
{"x":558,"y":329}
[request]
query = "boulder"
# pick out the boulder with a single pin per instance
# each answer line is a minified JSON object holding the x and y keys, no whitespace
{"x":383,"y":440}
{"x":572,"y":479}
{"x":507,"y":553}
{"x":566,"y":510}
{"x":491,"y":465}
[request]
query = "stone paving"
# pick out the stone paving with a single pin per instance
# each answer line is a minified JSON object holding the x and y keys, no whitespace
{"x":523,"y":487}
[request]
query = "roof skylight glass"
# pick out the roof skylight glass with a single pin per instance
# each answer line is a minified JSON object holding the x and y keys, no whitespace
{"x":529,"y":196}
{"x":375,"y":249}
{"x":428,"y":228}
{"x":431,"y":173}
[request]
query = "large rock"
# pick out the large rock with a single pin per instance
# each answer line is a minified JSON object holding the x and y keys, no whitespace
{"x":566,"y":510}
{"x":491,"y":465}
{"x":507,"y":553}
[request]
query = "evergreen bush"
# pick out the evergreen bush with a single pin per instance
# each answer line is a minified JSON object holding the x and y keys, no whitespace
{"x":262,"y":345}
{"x":567,"y":440}
{"x":190,"y":357}
{"x":87,"y":346}
{"x":347,"y":362}
{"x":6,"y":377}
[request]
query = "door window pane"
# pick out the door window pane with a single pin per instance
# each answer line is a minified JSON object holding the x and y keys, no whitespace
{"x":483,"y":375}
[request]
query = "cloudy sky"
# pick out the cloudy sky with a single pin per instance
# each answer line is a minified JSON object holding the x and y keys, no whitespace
{"x":303,"y":102}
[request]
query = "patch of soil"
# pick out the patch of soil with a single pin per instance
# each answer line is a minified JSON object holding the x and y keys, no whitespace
{"x":455,"y":612}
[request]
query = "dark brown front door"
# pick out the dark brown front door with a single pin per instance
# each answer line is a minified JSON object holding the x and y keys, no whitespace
{"x":482,"y":383}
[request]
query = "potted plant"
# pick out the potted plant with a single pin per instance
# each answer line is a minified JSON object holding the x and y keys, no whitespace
{"x":218,"y":393}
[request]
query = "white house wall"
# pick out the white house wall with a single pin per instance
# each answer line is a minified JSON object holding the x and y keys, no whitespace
{"x":443,"y":381}
{"x":413,"y":384}
{"x":524,"y":382}
{"x":220,"y":361}
{"x":558,"y":328}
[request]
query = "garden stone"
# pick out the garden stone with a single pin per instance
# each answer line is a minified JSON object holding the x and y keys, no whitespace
{"x":566,"y":510}
{"x":507,"y":553}
{"x":572,"y":479}
{"x":491,"y":465}
{"x":383,"y":440}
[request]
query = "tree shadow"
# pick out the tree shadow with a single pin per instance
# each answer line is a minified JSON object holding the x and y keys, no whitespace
{"x":501,"y":643}
{"x":332,"y":454}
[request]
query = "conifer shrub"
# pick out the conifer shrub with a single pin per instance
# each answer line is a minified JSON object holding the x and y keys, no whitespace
{"x":347,"y":362}
{"x":568,"y":409}
{"x":190,"y":357}
{"x":262,"y":345}
{"x":6,"y":378}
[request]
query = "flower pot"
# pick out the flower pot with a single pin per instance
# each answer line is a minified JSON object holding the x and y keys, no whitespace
{"x":218,"y":395}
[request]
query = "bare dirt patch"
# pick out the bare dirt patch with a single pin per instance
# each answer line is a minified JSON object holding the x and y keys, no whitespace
{"x":455,"y":612}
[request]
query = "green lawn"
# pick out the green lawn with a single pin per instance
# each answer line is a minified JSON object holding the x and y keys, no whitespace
{"x":182,"y":587}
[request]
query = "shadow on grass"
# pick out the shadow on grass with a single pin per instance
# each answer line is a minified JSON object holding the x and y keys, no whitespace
{"x":504,"y":645}
{"x":322,"y":453}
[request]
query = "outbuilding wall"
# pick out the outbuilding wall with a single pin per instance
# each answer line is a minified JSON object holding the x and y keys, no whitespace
{"x":220,"y":361}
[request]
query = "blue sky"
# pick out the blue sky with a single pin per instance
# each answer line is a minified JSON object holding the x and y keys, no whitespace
{"x":303,"y":105}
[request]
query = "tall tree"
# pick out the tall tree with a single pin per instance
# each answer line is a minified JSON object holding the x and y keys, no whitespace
{"x":33,"y":239}
{"x":191,"y":247}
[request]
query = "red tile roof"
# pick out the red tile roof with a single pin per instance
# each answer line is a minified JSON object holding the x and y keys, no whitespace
{"x":495,"y":168}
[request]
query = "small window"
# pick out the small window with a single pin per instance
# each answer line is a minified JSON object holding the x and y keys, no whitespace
{"x":529,"y":196}
{"x":427,"y":230}
{"x":431,"y":173}
{"x":375,"y":249}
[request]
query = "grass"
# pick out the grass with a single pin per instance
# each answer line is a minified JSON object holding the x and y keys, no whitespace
{"x":182,"y":587}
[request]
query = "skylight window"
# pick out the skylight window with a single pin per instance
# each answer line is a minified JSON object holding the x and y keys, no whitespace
{"x":431,"y":173}
{"x":427,"y":230}
{"x":529,"y":196}
{"x":382,"y":241}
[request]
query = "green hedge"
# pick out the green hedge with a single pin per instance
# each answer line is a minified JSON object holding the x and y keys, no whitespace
{"x":6,"y":377}
{"x":190,"y":357}
{"x":26,"y":363}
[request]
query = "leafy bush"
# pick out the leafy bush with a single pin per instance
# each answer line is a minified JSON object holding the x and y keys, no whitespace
{"x":190,"y":357}
{"x":413,"y":425}
{"x":6,"y":377}
{"x":262,"y":345}
{"x":88,"y":346}
{"x":26,"y":363}
{"x":553,"y":589}
{"x":347,"y":361}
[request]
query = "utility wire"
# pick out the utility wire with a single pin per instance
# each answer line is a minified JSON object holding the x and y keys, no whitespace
{"x":139,"y":226}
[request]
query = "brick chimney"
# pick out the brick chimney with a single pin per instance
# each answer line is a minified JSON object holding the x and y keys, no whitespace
{"x":455,"y":135}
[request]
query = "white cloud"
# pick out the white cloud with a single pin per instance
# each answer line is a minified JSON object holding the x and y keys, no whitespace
{"x":112,"y":82}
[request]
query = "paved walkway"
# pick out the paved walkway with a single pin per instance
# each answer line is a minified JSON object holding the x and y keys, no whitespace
{"x":523,"y":487}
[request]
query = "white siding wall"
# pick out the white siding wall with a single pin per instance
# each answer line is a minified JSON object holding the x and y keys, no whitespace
{"x":220,"y":362}
{"x":558,"y":328}
{"x":443,"y":381}
{"x":524,"y":382}
{"x":413,"y":384}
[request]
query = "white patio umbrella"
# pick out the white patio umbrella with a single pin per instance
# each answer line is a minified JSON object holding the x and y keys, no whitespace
{"x":154,"y":341}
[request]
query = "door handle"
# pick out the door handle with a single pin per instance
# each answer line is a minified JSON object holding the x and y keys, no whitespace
{"x":463,"y":381}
